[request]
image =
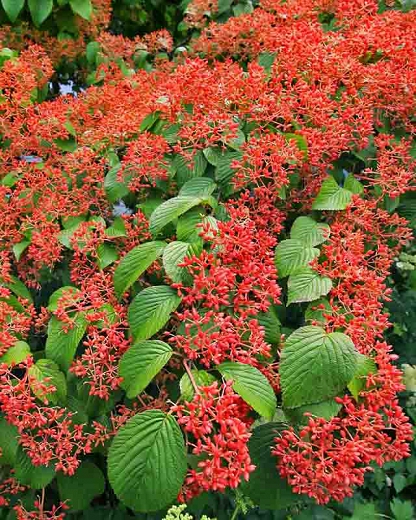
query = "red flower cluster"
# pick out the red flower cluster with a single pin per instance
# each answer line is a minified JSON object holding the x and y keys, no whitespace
{"x":217,"y":426}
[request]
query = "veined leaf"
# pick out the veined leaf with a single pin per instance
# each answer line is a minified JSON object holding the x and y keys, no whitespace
{"x":307,"y":286}
{"x":9,"y":444}
{"x":147,"y":461}
{"x":266,"y":487}
{"x":141,"y":363}
{"x":79,"y":489}
{"x":134,"y":264}
{"x":151,"y":309}
{"x":250,"y":384}
{"x":174,"y":254}
{"x":62,"y":344}
{"x":198,"y":187}
{"x":47,"y":372}
{"x":292,"y":256}
{"x":37,"y":477}
{"x":173,"y":208}
{"x":331,"y":196}
{"x":309,"y":232}
{"x":315,"y":366}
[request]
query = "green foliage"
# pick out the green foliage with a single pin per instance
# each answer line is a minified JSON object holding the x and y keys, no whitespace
{"x":147,"y":461}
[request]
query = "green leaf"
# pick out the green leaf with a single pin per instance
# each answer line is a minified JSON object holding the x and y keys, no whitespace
{"x":66,"y":145}
{"x":331,"y":196}
{"x":173,"y":255}
{"x":61,"y":344}
{"x":16,"y":354}
{"x":212,"y":155}
{"x":134,"y":264}
{"x":353,"y":185}
{"x":292,"y":256}
{"x":307,"y":286}
{"x":224,"y":173}
{"x":36,"y":477}
{"x":49,"y":370}
{"x":266,"y":487}
{"x":106,"y":255}
{"x":115,"y":190}
{"x":19,"y":289}
{"x":79,"y":489}
{"x":402,"y":510}
{"x":198,"y":187}
{"x":326,"y":409}
{"x":40,"y":10}
{"x":201,"y":378}
{"x":186,"y":228}
{"x":271,"y":324}
{"x":309,"y":232}
{"x":151,"y":309}
{"x":117,"y":229}
{"x":147,"y":461}
{"x":141,"y":363}
{"x":12,"y":8}
{"x":81,"y":7}
{"x":173,"y":208}
{"x":250,"y":384}
{"x":9,"y":444}
{"x":365,"y":366}
{"x":315,"y":366}
{"x":399,"y":482}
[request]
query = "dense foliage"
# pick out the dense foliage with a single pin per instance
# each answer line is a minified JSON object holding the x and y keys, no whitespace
{"x":196,"y":254}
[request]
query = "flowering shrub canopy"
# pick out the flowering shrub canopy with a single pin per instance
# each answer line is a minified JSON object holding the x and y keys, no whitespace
{"x":194,"y":262}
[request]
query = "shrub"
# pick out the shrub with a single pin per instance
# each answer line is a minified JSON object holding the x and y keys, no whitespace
{"x":194,"y":264}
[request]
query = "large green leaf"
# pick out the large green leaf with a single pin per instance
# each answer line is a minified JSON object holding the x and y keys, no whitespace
{"x":79,"y":489}
{"x":186,"y":228}
{"x":309,"y":232}
{"x":173,"y":255}
{"x":307,"y":286}
{"x":266,"y":487}
{"x":36,"y":477}
{"x":134,"y":264}
{"x":151,"y":309}
{"x":62,"y":343}
{"x":250,"y":384}
{"x":82,"y":7}
{"x":224,"y":172}
{"x":201,"y":378}
{"x":331,"y":196}
{"x":292,"y":256}
{"x":40,"y":10}
{"x":147,"y":461}
{"x":9,"y":444}
{"x":12,"y":8}
{"x":315,"y":366}
{"x":16,"y":354}
{"x":173,"y":208}
{"x":141,"y":363}
{"x":47,"y":372}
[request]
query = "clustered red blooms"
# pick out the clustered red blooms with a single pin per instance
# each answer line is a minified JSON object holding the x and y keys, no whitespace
{"x":329,"y":91}
{"x":9,"y":487}
{"x":217,"y":426}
